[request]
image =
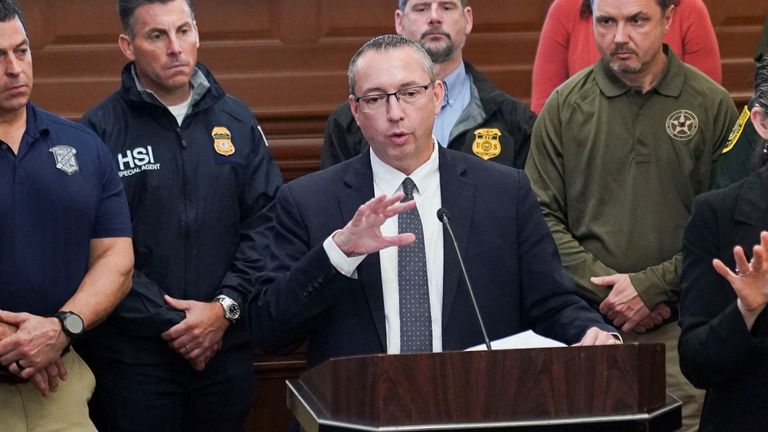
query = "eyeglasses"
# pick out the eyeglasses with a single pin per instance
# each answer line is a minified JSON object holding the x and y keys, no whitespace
{"x":410,"y":96}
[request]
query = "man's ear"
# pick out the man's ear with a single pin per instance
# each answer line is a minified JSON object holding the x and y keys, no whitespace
{"x":399,"y":21}
{"x":126,"y":46}
{"x":439,"y":94}
{"x":354,"y":106}
{"x":669,"y":15}
{"x":469,"y":18}
{"x":197,"y":35}
{"x":760,"y":120}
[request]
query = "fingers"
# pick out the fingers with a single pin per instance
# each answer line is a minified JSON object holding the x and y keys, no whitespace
{"x":381,"y":207}
{"x":40,"y":381}
{"x":199,"y":362}
{"x":403,"y":239}
{"x":605,"y":280}
{"x":724,"y":271}
{"x":595,"y":336}
{"x":663,"y":311}
{"x":176,"y":303}
{"x":61,"y":370}
{"x":632,"y":322}
{"x":177,"y":331}
{"x":742,"y":265}
{"x":52,"y":372}
{"x":13,"y":318}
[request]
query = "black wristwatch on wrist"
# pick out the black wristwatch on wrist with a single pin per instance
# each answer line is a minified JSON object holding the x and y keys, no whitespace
{"x":71,"y":323}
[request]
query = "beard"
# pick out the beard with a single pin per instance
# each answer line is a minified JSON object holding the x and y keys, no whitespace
{"x":622,"y":67}
{"x":439,"y":52}
{"x":625,"y":68}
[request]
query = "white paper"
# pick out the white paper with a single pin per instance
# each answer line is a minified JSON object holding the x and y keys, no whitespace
{"x":527,"y":339}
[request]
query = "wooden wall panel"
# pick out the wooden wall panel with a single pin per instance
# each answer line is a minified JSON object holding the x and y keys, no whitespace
{"x":287,"y":60}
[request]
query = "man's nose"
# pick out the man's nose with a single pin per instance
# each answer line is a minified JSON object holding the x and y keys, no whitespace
{"x":621,"y":35}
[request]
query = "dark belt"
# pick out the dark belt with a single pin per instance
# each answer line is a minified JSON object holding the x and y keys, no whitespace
{"x":8,"y":378}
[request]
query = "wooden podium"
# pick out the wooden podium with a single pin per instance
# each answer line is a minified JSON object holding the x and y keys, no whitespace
{"x":603,"y":388}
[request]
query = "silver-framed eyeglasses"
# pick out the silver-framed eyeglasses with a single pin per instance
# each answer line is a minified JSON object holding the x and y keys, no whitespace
{"x":410,"y":96}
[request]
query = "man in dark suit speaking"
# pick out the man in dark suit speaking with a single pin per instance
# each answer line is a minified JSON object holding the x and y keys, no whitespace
{"x":359,"y":261}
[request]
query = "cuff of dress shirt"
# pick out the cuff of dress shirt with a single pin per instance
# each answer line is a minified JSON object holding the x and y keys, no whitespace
{"x":344,"y":264}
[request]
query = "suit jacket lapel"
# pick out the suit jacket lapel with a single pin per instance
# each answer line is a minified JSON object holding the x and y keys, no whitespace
{"x":457,"y":196}
{"x":359,"y":181}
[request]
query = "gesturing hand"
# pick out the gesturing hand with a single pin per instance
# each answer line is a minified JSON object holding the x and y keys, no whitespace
{"x":750,"y":281}
{"x":362,"y":235}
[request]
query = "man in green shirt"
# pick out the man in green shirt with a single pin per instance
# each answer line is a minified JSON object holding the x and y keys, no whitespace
{"x":617,"y":156}
{"x":739,"y":157}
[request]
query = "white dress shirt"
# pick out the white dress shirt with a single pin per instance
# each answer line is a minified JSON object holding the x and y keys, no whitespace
{"x":388,"y":181}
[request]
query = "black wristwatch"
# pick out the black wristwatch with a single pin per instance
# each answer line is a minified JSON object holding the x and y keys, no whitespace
{"x":231,"y":308}
{"x":71,"y":323}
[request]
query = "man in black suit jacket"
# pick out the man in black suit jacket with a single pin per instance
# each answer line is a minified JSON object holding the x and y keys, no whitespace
{"x":332,"y":272}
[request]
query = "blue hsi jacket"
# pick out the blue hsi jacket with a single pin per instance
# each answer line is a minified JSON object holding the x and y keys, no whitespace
{"x":195,"y":194}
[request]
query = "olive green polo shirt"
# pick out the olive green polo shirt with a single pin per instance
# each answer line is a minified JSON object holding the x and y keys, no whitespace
{"x":616,"y":172}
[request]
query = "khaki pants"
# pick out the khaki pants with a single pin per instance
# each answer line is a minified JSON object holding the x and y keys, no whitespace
{"x":677,"y":385}
{"x":23,"y":409}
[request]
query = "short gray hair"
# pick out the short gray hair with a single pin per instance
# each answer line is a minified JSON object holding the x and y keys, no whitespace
{"x":388,"y":42}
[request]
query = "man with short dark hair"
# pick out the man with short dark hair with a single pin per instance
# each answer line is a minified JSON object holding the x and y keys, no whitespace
{"x":65,"y":248}
{"x":617,"y":156}
{"x":353,"y":270}
{"x":475,"y":117}
{"x":197,"y":171}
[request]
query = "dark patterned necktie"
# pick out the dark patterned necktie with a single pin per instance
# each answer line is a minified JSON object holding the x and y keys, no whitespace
{"x":415,"y":315}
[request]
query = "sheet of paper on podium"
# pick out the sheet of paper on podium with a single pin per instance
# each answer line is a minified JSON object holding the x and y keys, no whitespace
{"x":527,"y":339}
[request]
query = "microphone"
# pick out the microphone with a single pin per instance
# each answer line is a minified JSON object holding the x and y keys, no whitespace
{"x":442,"y":215}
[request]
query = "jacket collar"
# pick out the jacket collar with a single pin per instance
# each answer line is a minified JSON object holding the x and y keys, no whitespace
{"x":490,"y":96}
{"x":209,"y":97}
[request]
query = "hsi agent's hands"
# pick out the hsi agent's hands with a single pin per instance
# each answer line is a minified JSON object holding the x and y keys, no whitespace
{"x":362,"y":235}
{"x":750,"y":281}
{"x":198,"y":337}
{"x":623,"y":306}
{"x":595,"y":336}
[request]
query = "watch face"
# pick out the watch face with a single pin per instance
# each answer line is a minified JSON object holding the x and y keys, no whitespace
{"x":231,"y":308}
{"x":233,"y":311}
{"x":73,"y":323}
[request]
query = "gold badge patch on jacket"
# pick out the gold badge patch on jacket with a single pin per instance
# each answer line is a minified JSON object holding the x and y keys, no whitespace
{"x":738,"y":128}
{"x":487,"y":143}
{"x":222,"y":141}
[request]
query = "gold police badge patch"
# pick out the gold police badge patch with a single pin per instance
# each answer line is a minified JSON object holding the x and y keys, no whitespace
{"x":487,"y":143}
{"x":222,"y":141}
{"x":738,"y":128}
{"x":682,"y":125}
